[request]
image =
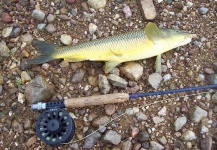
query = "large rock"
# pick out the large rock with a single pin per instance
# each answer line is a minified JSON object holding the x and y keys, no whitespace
{"x":112,"y":137}
{"x":132,"y":70}
{"x":38,"y":90}
{"x":156,"y":146}
{"x":117,"y":81}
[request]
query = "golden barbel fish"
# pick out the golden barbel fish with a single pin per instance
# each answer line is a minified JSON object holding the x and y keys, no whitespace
{"x":136,"y":45}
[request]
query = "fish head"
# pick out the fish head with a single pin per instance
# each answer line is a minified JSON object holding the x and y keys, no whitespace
{"x":175,"y":38}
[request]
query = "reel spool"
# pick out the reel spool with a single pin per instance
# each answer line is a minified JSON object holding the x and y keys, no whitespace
{"x":55,"y":126}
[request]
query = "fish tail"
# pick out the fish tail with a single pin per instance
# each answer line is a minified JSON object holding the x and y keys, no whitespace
{"x":46,"y":49}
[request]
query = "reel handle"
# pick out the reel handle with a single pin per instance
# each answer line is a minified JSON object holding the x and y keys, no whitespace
{"x":96,"y":100}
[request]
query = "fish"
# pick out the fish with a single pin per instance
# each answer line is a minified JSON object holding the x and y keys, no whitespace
{"x":114,"y":50}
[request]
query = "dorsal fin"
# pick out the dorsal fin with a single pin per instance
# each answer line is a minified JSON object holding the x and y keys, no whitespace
{"x":152,"y":32}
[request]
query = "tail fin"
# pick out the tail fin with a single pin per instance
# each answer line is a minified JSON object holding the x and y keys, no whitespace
{"x":46,"y":49}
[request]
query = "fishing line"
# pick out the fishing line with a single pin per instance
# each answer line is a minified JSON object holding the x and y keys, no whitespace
{"x":123,"y":114}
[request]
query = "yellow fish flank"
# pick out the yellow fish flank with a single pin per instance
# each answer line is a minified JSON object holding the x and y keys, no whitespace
{"x":116,"y":49}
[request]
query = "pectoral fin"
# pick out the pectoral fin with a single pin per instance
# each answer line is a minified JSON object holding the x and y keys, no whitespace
{"x":117,"y":53}
{"x":110,"y":65}
{"x":152,"y":32}
{"x":158,"y":64}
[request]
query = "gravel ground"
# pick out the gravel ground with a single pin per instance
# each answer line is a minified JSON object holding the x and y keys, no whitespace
{"x":175,"y":121}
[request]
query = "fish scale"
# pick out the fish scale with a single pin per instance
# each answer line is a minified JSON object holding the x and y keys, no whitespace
{"x":107,"y":48}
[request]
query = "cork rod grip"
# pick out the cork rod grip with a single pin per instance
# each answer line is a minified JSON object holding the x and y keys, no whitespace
{"x":96,"y":100}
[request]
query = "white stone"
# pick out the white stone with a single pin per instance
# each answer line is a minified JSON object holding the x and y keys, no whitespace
{"x":197,"y":114}
{"x":132,"y":111}
{"x":92,"y":28}
{"x":66,"y":39}
{"x":157,"y":120}
{"x":163,"y":111}
{"x":25,"y":77}
{"x":7,"y":31}
{"x":154,"y":80}
{"x":189,"y":136}
{"x":190,"y":4}
{"x":21,"y":98}
{"x":204,"y":129}
{"x":96,"y":4}
{"x":132,"y":70}
{"x":167,"y":77}
{"x":180,"y":122}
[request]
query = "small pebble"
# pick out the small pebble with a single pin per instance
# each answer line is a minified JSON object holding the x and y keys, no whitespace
{"x":141,"y":117}
{"x":31,"y":141}
{"x":143,"y":136}
{"x":66,"y":39}
{"x":7,"y":31}
{"x":100,"y":121}
{"x":157,"y":120}
{"x":41,"y":26}
{"x":27,"y":38}
{"x":4,"y":50}
{"x":127,"y":11}
{"x":156,"y":146}
{"x":110,"y":109}
{"x":180,"y":122}
{"x":132,"y":111}
{"x":78,"y":76}
{"x":70,"y":1}
{"x":203,"y":10}
{"x":38,"y":15}
{"x":209,"y":71}
{"x":134,"y":131}
{"x":6,"y":17}
{"x":50,"y":28}
{"x":154,"y":79}
{"x":163,"y":111}
{"x":104,"y":85}
{"x":92,"y":28}
{"x":84,"y":6}
{"x":96,"y":4}
{"x":197,"y":114}
{"x":132,"y":70}
{"x":112,"y":137}
{"x":117,"y":81}
{"x":189,"y":136}
{"x":51,"y":18}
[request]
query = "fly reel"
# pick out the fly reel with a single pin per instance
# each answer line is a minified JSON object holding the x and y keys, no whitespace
{"x":55,"y":126}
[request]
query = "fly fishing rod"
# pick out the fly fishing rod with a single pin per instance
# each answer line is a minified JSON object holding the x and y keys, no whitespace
{"x":55,"y":126}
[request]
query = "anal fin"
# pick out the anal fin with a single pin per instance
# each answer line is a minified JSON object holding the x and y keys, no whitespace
{"x":158,"y":64}
{"x":110,"y":65}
